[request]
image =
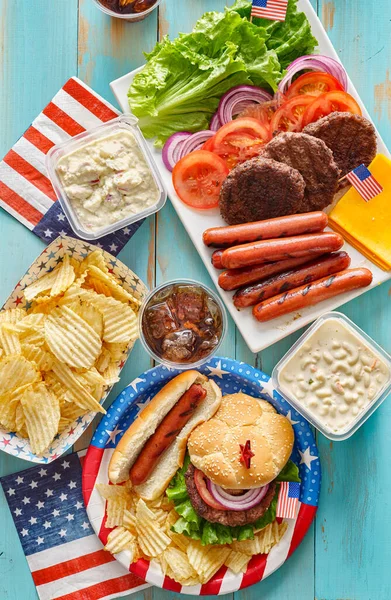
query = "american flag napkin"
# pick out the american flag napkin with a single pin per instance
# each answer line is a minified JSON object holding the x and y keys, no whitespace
{"x":25,"y":188}
{"x":66,"y":559}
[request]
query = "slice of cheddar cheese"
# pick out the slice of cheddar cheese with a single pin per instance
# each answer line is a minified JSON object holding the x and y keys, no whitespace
{"x":367,"y":225}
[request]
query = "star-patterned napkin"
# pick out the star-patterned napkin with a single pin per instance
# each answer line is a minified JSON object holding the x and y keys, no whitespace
{"x":25,"y":188}
{"x":66,"y":559}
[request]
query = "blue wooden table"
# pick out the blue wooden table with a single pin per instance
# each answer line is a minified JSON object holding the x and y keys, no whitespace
{"x":346,"y":555}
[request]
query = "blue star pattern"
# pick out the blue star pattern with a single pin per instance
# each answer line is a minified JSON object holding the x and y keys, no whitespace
{"x":55,"y":223}
{"x":231,"y":376}
{"x":47,"y":505}
{"x":47,"y":261}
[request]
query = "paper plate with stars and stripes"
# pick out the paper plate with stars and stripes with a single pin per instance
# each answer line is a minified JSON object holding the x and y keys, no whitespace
{"x":51,"y":256}
{"x":231,"y":376}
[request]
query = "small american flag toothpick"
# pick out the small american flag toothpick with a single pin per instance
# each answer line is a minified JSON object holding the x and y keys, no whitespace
{"x":273,"y":10}
{"x":364,"y":182}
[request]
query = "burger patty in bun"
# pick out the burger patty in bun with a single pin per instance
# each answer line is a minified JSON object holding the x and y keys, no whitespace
{"x":233,"y":518}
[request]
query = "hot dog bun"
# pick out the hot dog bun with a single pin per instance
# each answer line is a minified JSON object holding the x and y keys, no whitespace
{"x":146,"y":424}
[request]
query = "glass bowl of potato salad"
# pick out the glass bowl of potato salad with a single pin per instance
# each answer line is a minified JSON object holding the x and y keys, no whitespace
{"x":106,"y":178}
{"x":335,"y":375}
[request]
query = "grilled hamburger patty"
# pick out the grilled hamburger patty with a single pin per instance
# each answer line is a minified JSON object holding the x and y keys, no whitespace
{"x":232,"y":518}
{"x":261,"y":189}
{"x":314,"y":160}
{"x":351,"y":138}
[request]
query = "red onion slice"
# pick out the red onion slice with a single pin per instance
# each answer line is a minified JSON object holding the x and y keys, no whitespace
{"x":195,"y":142}
{"x":172,"y":147}
{"x":215,"y":122}
{"x":238,"y":98}
{"x":237,"y":503}
{"x":314,"y":62}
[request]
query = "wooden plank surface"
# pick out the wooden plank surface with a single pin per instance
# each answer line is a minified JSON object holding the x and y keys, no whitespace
{"x":344,"y":557}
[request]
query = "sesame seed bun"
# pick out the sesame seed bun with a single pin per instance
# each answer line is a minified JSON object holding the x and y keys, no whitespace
{"x":214,"y":446}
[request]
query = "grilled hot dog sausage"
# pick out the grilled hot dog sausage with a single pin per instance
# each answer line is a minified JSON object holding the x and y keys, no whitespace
{"x":316,"y":269}
{"x":166,"y":433}
{"x":237,"y":278}
{"x":224,"y":237}
{"x":307,"y":295}
{"x":216,"y":259}
{"x":280,"y":249}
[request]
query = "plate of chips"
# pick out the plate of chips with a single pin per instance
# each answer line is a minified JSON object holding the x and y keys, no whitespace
{"x":66,"y":332}
{"x":139,"y":533}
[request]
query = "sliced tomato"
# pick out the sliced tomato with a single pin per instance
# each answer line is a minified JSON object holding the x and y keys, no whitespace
{"x":198,"y":178}
{"x":313,"y":84}
{"x":199,"y":480}
{"x":325,"y":104}
{"x":208,"y":145}
{"x":239,"y":140}
{"x":261,"y":112}
{"x":289,"y":117}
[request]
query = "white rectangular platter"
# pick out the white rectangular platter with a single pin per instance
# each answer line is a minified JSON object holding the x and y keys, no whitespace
{"x":259,"y":335}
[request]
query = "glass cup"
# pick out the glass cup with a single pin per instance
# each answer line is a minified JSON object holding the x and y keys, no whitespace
{"x":131,"y":17}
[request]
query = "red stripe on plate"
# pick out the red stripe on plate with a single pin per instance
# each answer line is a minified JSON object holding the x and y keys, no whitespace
{"x":60,"y":118}
{"x":37,"y":139}
{"x":104,"y":531}
{"x":170,"y":584}
{"x":70,"y":567}
{"x":94,"y":456}
{"x":89,"y":100}
{"x":140,"y":568}
{"x":255,"y":570}
{"x":19,"y":204}
{"x":303,"y":522}
{"x":213,"y":586}
{"x":26,"y":169}
{"x":105,"y":588}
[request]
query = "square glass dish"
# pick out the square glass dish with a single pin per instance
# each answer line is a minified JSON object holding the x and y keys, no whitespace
{"x":335,"y":375}
{"x":106,"y":178}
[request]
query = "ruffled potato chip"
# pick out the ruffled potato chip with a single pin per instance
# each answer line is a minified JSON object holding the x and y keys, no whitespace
{"x":65,"y":277}
{"x":206,"y":560}
{"x":121,"y":539}
{"x":42,"y":416}
{"x":179,"y":565}
{"x":12,"y":315}
{"x":9,"y":340}
{"x":237,"y":561}
{"x":39,"y":286}
{"x":71,"y":339}
{"x":96,"y":259}
{"x":8,"y":406}
{"x":15,"y":371}
{"x":43,"y":360}
{"x":116,"y":290}
{"x":151,"y":538}
{"x":80,"y":395}
{"x":115,"y":509}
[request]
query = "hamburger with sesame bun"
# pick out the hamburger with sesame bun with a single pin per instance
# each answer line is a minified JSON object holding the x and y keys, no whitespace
{"x":228,"y":487}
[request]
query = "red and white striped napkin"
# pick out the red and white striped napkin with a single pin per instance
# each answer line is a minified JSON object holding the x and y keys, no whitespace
{"x":25,"y":188}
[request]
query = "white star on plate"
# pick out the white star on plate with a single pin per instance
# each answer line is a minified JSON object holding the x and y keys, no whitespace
{"x":307,"y":458}
{"x":65,"y":464}
{"x":19,"y":480}
{"x":135,"y":382}
{"x":48,"y":233}
{"x":85,"y":525}
{"x":99,"y":245}
{"x":63,"y":233}
{"x":78,"y":505}
{"x":62,"y":533}
{"x":126,"y":231}
{"x":142,"y":405}
{"x":56,"y":513}
{"x":33,"y":484}
{"x":72,"y":485}
{"x":217,"y":371}
{"x":42,"y":472}
{"x":267,"y":387}
{"x":40,"y":540}
{"x":70,"y":517}
{"x":61,"y":217}
{"x":47,"y":524}
{"x":289,"y":417}
{"x":40,"y":504}
{"x":11,"y":492}
{"x":56,"y":476}
{"x":18,"y":512}
{"x":33,"y":521}
{"x":63,"y":497}
{"x":113,"y":247}
{"x":24,"y":532}
{"x":26,"y":500}
{"x":48,"y":493}
{"x":113,"y":434}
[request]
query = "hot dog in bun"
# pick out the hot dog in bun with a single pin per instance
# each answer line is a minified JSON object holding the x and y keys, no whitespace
{"x":154,"y":446}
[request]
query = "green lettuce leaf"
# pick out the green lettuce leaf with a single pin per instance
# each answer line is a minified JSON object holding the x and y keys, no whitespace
{"x":198,"y":528}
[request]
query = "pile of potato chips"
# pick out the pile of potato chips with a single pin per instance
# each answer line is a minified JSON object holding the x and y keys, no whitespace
{"x":144,"y":530}
{"x":58,"y":358}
